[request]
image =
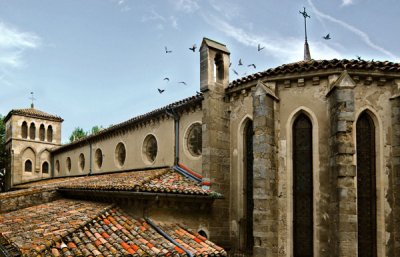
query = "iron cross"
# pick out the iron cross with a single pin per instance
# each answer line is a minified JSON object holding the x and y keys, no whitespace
{"x":32,"y":98}
{"x":305,"y":15}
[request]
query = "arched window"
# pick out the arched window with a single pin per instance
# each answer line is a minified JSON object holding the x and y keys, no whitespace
{"x":45,"y":167}
{"x":194,"y":144}
{"x":150,"y":148}
{"x":302,"y":187}
{"x":68,"y":162}
{"x":41,"y":132}
{"x":248,"y":185}
{"x":98,"y":155}
{"x":366,"y":186}
{"x":120,"y":154}
{"x":58,"y":166}
{"x":24,"y":130}
{"x":28,"y":166}
{"x":32,"y":131}
{"x":49,"y":133}
{"x":81,"y":162}
{"x":218,"y":68}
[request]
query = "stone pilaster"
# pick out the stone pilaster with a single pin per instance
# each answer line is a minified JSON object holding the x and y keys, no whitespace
{"x":265,"y":173}
{"x":341,"y":111}
{"x":393,"y":248}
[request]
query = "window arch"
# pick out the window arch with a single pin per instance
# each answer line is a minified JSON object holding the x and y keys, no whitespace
{"x":49,"y":133}
{"x":28,"y":166}
{"x":24,"y":130}
{"x":81,"y":162}
{"x":248,"y":184}
{"x":150,"y":148}
{"x":68,"y":162}
{"x":58,"y":166}
{"x":98,"y":156}
{"x":194,"y":139}
{"x":302,"y":186}
{"x":120,"y":154}
{"x":32,"y":131}
{"x":45,"y":167}
{"x":366,"y":186}
{"x":41,"y":132}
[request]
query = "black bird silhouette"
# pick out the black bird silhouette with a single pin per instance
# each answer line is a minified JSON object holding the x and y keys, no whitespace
{"x":167,"y":51}
{"x":193,"y":48}
{"x":160,"y":90}
{"x":259,"y":48}
{"x":359,"y":58}
{"x":254,"y":66}
{"x":167,"y":79}
{"x":235,"y":72}
{"x":230,"y":64}
{"x":182,"y":82}
{"x":240,"y":62}
{"x":327,"y":37}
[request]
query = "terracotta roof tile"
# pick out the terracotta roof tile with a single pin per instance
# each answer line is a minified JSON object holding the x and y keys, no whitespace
{"x":90,"y":229}
{"x":156,"y":181}
{"x":32,"y":112}
{"x":314,"y":65}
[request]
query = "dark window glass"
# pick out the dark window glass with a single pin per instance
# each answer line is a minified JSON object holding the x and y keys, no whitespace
{"x":28,"y":166}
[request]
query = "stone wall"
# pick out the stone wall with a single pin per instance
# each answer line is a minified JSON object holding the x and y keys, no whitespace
{"x":23,"y":198}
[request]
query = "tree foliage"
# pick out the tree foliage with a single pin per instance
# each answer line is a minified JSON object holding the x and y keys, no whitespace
{"x":96,"y":129}
{"x":3,"y":153}
{"x":77,"y":134}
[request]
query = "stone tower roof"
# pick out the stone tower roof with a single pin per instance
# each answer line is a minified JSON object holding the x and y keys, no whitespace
{"x":34,"y":113}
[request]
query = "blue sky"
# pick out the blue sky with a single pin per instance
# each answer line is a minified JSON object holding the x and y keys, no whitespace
{"x":100,"y":62}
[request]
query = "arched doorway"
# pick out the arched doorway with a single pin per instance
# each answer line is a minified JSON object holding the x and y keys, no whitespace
{"x":366,"y":186}
{"x":302,"y":187}
{"x":248,"y":185}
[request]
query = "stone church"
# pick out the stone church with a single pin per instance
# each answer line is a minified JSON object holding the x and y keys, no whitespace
{"x":298,"y":160}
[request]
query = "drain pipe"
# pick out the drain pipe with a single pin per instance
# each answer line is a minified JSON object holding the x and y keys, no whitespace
{"x":172,"y":113}
{"x":159,"y":230}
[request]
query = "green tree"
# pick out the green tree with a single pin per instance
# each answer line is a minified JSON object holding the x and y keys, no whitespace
{"x":96,"y":129}
{"x":77,"y":134}
{"x":3,"y":154}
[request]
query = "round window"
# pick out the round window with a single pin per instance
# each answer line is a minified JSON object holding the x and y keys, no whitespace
{"x":194,"y":144}
{"x":120,"y":154}
{"x":98,"y":155}
{"x":150,"y":148}
{"x":68,"y":162}
{"x":81,"y":161}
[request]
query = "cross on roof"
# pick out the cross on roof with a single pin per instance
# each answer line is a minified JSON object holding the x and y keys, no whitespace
{"x":305,"y":15}
{"x":32,"y":99}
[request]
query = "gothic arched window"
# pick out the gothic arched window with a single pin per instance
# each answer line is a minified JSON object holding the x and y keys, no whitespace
{"x":366,"y":186}
{"x":49,"y":133}
{"x":45,"y":167}
{"x":302,"y":187}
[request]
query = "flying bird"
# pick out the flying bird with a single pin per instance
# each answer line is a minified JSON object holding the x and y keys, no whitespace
{"x":230,"y":64}
{"x":182,"y":82}
{"x":193,"y":48}
{"x":359,"y":58}
{"x":254,"y":66}
{"x":259,"y":48}
{"x":240,"y":62}
{"x":167,"y":79}
{"x":167,"y":51}
{"x":327,"y":37}
{"x":160,"y":90}
{"x":235,"y":72}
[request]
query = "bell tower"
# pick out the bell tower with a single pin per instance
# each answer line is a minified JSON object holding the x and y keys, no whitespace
{"x":214,"y":79}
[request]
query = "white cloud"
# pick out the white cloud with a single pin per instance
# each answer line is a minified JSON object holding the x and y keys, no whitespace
{"x":160,"y":20}
{"x":347,"y":2}
{"x":364,"y":36}
{"x":13,"y":43}
{"x":284,"y":49}
{"x":187,"y":6}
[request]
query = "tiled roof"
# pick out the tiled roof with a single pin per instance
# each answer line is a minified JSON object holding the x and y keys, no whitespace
{"x":164,"y":180}
{"x":92,"y":229}
{"x":38,"y":226}
{"x":141,"y":118}
{"x":32,"y":112}
{"x":315,"y":65}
